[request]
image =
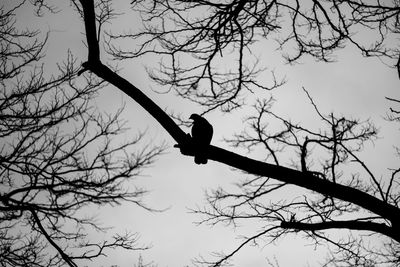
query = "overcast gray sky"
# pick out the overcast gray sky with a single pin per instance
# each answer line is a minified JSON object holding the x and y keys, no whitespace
{"x":353,"y":86}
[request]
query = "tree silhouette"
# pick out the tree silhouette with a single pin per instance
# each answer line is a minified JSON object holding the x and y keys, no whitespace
{"x":57,"y":157}
{"x":211,"y":32}
{"x":334,"y":188}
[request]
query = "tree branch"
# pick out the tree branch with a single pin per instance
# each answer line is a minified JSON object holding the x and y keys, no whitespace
{"x":64,"y":256}
{"x":352,"y":225}
{"x":89,"y":18}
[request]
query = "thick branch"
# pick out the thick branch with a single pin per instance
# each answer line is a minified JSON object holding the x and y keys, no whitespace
{"x":133,"y":92}
{"x":93,"y":64}
{"x":309,"y":181}
{"x":352,"y":225}
{"x":89,"y":18}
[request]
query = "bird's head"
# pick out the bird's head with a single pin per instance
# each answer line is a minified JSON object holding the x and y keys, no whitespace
{"x":194,"y":116}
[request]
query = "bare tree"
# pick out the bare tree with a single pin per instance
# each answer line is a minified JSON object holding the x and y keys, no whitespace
{"x":58,"y":157}
{"x":340,"y":190}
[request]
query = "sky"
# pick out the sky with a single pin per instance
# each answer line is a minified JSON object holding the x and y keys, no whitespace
{"x":353,"y":86}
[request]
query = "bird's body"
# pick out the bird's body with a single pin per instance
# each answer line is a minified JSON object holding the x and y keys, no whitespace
{"x":202,"y":132}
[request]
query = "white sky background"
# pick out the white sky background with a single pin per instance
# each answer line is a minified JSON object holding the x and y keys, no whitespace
{"x":354,"y":86}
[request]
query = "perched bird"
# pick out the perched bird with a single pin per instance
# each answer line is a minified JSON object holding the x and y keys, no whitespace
{"x":202,"y":132}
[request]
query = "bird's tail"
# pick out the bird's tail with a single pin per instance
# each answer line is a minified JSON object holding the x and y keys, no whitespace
{"x":200,"y":158}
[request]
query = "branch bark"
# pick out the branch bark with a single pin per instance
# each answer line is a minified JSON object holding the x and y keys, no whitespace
{"x":287,"y":175}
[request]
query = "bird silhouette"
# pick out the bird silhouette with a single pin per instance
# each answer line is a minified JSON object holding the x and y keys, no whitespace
{"x":202,"y":132}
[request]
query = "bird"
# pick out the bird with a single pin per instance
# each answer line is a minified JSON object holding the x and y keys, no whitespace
{"x":202,"y":132}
